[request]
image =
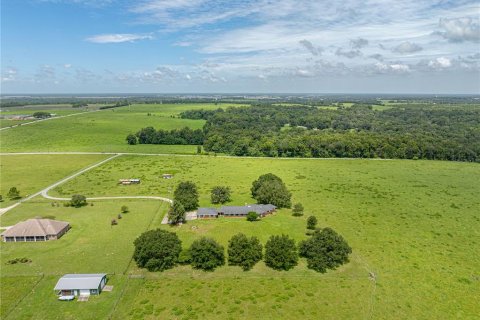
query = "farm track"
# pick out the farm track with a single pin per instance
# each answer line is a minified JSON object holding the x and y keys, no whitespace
{"x":41,"y":120}
{"x":176,"y":155}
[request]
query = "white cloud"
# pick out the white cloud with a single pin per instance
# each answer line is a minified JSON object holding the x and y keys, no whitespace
{"x":392,"y":68}
{"x":461,"y":29}
{"x":440,"y":62}
{"x":407,"y":47}
{"x":67,"y":65}
{"x":118,"y":38}
{"x":9,"y":74}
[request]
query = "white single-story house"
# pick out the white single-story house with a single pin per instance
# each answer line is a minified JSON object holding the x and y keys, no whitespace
{"x":81,"y":284}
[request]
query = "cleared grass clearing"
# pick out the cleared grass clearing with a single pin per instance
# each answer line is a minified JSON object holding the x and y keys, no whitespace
{"x":103,"y":131}
{"x":32,"y":173}
{"x":414,"y":224}
{"x":245,"y":297}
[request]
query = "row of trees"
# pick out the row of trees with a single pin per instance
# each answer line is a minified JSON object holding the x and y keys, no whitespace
{"x":183,"y":136}
{"x":159,"y":250}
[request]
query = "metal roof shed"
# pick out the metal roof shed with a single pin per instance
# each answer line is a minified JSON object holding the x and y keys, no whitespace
{"x":81,"y":284}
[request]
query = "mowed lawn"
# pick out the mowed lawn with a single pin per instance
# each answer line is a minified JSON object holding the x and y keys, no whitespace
{"x":103,"y":131}
{"x":91,"y":246}
{"x":32,"y":173}
{"x":414,"y":224}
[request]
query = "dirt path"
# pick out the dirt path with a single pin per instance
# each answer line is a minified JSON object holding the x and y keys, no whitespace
{"x":51,"y":118}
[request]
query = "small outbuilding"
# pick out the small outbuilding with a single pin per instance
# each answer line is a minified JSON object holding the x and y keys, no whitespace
{"x":81,"y":284}
{"x":128,"y":181}
{"x":167,"y":176}
{"x":33,"y":230}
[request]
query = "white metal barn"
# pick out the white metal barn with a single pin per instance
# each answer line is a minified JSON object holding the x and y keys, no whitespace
{"x":81,"y":284}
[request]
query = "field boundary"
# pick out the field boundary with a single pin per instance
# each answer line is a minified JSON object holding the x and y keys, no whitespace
{"x":42,"y":276}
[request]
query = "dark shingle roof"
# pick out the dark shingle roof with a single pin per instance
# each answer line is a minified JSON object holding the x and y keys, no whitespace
{"x":207,"y":212}
{"x":243,"y":210}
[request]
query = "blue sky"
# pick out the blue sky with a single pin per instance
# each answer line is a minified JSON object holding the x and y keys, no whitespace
{"x":281,"y":46}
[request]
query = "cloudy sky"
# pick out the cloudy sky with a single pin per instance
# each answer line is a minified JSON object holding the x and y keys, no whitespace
{"x":281,"y":46}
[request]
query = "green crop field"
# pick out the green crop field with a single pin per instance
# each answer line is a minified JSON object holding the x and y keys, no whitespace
{"x":31,"y":173}
{"x":103,"y":131}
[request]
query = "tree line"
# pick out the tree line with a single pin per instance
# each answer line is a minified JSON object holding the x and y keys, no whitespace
{"x":159,"y":250}
{"x":149,"y":135}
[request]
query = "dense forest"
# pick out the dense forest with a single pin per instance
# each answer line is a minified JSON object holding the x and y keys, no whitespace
{"x":406,"y":132}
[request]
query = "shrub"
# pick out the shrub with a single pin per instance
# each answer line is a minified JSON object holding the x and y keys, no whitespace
{"x":13,"y":193}
{"x":78,"y":201}
{"x":326,"y":249}
{"x":297,"y":210}
{"x":281,"y":253}
{"x":18,"y":260}
{"x":157,"y":250}
{"x":206,"y":254}
{"x":113,"y":222}
{"x":119,"y":216}
{"x":311,"y":222}
{"x":131,"y":139}
{"x":252,"y":216}
{"x":124,"y":209}
{"x":244,"y":252}
{"x":220,"y":195}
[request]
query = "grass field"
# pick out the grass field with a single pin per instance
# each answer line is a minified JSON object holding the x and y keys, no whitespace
{"x":32,"y":173}
{"x":409,"y":222}
{"x":413,"y":224}
{"x":103,"y":131}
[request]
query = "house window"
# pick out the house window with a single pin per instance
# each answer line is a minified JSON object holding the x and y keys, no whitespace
{"x":9,"y":239}
{"x":93,"y":291}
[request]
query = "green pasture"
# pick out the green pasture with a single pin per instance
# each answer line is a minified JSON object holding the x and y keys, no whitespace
{"x":412,"y":223}
{"x":103,"y":131}
{"x":9,"y":123}
{"x":32,"y":173}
